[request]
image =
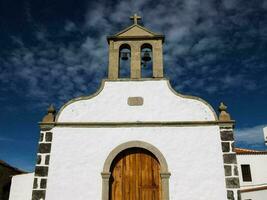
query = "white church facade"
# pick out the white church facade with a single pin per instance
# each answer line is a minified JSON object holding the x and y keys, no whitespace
{"x":136,"y":138}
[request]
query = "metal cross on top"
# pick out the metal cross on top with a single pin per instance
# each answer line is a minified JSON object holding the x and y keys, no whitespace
{"x":135,"y":18}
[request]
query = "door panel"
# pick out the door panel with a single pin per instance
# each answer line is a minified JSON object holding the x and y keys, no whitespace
{"x":135,"y":176}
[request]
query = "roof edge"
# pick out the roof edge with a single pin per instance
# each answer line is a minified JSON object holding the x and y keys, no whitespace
{"x":243,"y":151}
{"x":154,"y":35}
{"x":14,"y":168}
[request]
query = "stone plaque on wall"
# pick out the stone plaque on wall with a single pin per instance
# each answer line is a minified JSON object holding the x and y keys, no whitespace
{"x":135,"y":101}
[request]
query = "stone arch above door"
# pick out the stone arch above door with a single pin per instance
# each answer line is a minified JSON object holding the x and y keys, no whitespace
{"x":164,"y":173}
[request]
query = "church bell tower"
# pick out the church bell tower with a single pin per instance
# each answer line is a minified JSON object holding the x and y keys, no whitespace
{"x":136,"y":137}
{"x":138,"y":45}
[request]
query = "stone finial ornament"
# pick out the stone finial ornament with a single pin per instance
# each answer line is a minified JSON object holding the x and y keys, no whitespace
{"x":50,"y":116}
{"x":224,"y":115}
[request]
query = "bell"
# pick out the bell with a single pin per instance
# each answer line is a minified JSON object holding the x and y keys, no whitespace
{"x":146,"y":57}
{"x":124,"y":55}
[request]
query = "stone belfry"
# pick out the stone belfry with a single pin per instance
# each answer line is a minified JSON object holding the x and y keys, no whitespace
{"x":135,"y":38}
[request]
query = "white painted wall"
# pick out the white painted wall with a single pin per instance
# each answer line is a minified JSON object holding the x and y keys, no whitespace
{"x":193,"y":154}
{"x":258,"y":167}
{"x":21,"y":187}
{"x":257,"y":195}
{"x":265,"y":135}
{"x":160,"y":104}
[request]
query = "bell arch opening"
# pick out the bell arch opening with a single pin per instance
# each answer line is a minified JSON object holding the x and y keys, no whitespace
{"x":151,"y":154}
{"x":146,"y":61}
{"x":124,"y":61}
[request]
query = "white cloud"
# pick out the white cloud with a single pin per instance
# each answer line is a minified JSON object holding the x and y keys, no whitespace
{"x":57,"y":71}
{"x":70,"y":26}
{"x":250,"y":136}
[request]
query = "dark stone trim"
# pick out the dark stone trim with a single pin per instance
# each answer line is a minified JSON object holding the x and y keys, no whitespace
{"x":225,"y":146}
{"x":226,"y":127}
{"x":35,"y":183}
{"x":47,"y":158}
{"x":229,"y":158}
{"x":44,"y":148}
{"x":235,"y":171}
{"x":39,"y":159}
{"x":230,"y":162}
{"x":48,"y":137}
{"x":232,"y":182}
{"x":41,"y":137}
{"x":43,"y":183}
{"x":41,"y":171}
{"x":230,"y":195}
{"x":46,"y":127}
{"x":227,"y":136}
{"x":135,"y":124}
{"x":38,"y":194}
{"x":227,"y":170}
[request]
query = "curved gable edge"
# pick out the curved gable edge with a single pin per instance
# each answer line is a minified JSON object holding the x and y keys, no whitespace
{"x":81,"y":98}
{"x":172,"y":90}
{"x":193,"y":98}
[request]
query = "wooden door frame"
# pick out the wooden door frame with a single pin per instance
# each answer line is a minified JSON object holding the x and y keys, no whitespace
{"x":164,"y":173}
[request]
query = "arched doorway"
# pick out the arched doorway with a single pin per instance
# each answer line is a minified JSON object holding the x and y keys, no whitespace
{"x":164,"y":173}
{"x":135,"y":174}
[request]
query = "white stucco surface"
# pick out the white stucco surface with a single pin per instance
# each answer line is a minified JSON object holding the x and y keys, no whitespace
{"x":193,"y":154}
{"x":21,"y":187}
{"x":258,"y":168}
{"x":257,"y":195}
{"x":160,"y":104}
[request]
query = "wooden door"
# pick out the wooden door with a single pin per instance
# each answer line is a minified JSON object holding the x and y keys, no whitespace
{"x":135,"y":176}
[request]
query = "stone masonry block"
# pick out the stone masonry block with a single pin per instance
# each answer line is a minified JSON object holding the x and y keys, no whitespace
{"x":38,"y":194}
{"x":230,"y":195}
{"x":39,"y":159}
{"x":227,"y":135}
{"x":41,"y":137}
{"x":35,"y":183}
{"x":43,"y":183}
{"x":48,"y":137}
{"x":229,"y":158}
{"x":44,"y":148}
{"x":235,"y":171}
{"x":225,"y":146}
{"x":41,"y":171}
{"x":47,"y":158}
{"x":227,"y":170}
{"x":232,"y":182}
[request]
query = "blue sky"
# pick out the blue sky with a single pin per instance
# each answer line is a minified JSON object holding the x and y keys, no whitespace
{"x":52,"y":51}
